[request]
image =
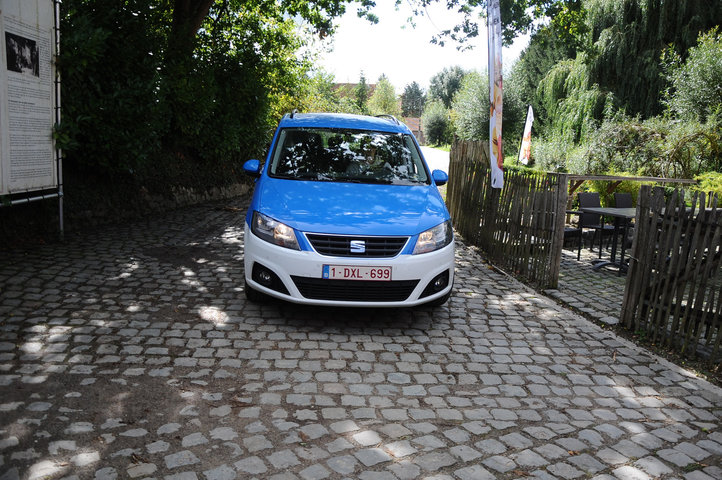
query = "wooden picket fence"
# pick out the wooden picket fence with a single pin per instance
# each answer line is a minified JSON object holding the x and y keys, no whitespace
{"x":673,"y":294}
{"x":520,"y":228}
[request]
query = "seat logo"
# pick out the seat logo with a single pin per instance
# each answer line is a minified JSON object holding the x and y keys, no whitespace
{"x":358,"y":246}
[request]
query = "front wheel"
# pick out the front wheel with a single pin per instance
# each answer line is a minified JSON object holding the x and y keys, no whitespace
{"x":253,"y":295}
{"x":439,"y":301}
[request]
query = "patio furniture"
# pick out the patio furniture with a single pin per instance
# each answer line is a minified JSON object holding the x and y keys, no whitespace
{"x":624,"y":200}
{"x":574,"y":232}
{"x":622,"y":217}
{"x":593,"y":221}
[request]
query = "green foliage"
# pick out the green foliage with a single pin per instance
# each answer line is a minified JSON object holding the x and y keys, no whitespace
{"x":515,"y":108}
{"x":435,"y":122}
{"x":412,"y":100}
{"x":626,"y":41}
{"x":111,"y":119}
{"x":659,"y":146}
{"x":135,"y":102}
{"x":517,"y":17}
{"x":383,"y":100}
{"x":709,"y":182}
{"x":555,"y":153}
{"x":361,"y":94}
{"x":696,"y":84}
{"x":544,"y":51}
{"x":616,"y":69}
{"x":318,"y":94}
{"x":624,"y":144}
{"x":445,"y":84}
{"x":470,"y":108}
{"x":574,"y":106}
{"x":607,"y":190}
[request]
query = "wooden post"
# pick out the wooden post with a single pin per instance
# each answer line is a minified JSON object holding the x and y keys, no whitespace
{"x":639,"y":252}
{"x":559,"y":205}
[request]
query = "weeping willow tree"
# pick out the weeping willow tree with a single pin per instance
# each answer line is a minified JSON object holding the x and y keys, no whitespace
{"x":627,"y":40}
{"x":619,"y":67}
{"x":573,"y":104}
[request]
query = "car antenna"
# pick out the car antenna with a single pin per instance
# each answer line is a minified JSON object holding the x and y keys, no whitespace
{"x":390,"y":117}
{"x":294,"y":112}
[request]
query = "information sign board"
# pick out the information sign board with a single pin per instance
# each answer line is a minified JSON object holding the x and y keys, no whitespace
{"x":27,"y":96}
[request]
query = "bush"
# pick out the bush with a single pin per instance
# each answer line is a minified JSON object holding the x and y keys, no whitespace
{"x":659,"y":146}
{"x":134,"y":108}
{"x":555,"y":154}
{"x":112,"y":120}
{"x":470,"y":108}
{"x":626,"y":186}
{"x":435,"y":122}
{"x":696,"y":88}
{"x":710,"y":182}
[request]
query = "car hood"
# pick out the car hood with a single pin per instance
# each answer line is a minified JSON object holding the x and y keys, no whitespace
{"x":351,"y":208}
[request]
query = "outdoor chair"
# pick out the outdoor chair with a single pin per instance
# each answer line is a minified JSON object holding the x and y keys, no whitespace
{"x":574,"y":232}
{"x":593,"y":221}
{"x":624,"y":200}
{"x":570,"y":232}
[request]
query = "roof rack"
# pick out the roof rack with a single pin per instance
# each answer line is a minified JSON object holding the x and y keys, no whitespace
{"x":294,"y":112}
{"x":390,"y":117}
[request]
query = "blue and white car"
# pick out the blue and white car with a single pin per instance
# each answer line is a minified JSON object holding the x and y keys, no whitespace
{"x":345,"y":212}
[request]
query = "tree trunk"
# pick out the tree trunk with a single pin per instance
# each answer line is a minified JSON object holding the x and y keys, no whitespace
{"x":188,"y":16}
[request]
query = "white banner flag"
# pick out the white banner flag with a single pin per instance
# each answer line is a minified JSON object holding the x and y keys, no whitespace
{"x":496,"y":151}
{"x":525,"y":148}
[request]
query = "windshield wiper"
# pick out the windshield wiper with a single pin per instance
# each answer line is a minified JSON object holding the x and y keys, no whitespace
{"x":349,"y":179}
{"x":299,"y":176}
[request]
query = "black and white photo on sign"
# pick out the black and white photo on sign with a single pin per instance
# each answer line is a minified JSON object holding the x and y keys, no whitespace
{"x":22,"y":54}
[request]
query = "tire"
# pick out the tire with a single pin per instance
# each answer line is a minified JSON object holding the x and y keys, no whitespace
{"x":253,"y":295}
{"x":439,"y":301}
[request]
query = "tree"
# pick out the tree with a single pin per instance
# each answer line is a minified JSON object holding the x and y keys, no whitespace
{"x":361,"y":93}
{"x":383,"y":100}
{"x":412,"y":100}
{"x":435,"y":122}
{"x":445,"y":84}
{"x":319,"y":94}
{"x":626,"y":40}
{"x":544,"y":51}
{"x":133,"y":107}
{"x":470,"y":108}
{"x":696,"y":84}
{"x":566,"y":17}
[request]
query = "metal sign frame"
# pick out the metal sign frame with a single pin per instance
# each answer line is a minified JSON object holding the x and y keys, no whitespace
{"x":32,"y":194}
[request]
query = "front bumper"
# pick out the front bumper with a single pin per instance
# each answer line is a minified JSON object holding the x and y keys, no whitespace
{"x":295,"y":276}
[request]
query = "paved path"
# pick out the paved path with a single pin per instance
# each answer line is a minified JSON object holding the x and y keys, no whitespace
{"x":597,"y":293}
{"x":131,"y":353}
{"x":436,"y":159}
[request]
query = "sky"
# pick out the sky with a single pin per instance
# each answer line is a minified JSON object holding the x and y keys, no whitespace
{"x":404,"y":54}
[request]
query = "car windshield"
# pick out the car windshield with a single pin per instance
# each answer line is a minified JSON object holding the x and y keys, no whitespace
{"x":347,"y":156}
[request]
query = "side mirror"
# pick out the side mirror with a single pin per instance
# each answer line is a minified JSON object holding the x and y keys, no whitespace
{"x":440,"y":177}
{"x":252,"y":168}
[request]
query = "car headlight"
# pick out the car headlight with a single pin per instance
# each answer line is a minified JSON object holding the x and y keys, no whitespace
{"x":434,"y":238}
{"x":273,"y":231}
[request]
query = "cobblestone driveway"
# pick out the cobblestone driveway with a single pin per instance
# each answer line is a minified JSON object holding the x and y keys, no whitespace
{"x":131,"y":353}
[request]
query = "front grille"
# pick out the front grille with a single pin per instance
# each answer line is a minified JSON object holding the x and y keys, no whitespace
{"x":354,"y":290}
{"x":340,"y":245}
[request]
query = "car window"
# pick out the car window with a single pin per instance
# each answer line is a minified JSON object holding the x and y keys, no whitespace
{"x":347,"y":156}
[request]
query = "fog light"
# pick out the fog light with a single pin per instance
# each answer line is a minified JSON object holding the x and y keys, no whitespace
{"x":440,"y":282}
{"x":437,"y":284}
{"x":265,"y":278}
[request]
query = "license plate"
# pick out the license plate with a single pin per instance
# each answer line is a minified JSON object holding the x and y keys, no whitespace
{"x":352,"y":272}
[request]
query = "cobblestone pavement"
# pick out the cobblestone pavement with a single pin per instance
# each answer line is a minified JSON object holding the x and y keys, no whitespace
{"x":130,"y":352}
{"x":597,"y":293}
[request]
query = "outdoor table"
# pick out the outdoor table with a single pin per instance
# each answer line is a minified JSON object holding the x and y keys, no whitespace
{"x":621,"y":216}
